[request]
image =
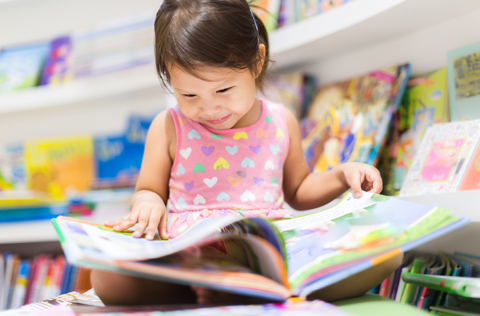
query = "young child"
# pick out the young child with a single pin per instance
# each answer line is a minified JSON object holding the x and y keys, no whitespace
{"x":221,"y":151}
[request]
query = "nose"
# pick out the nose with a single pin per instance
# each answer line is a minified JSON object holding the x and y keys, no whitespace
{"x":210,"y":110}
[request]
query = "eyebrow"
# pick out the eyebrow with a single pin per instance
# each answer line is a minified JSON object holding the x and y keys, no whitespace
{"x":228,"y":82}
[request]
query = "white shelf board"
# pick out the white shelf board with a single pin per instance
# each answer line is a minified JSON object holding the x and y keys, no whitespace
{"x":43,"y":230}
{"x":82,"y":90}
{"x":465,"y":203}
{"x":356,"y":24}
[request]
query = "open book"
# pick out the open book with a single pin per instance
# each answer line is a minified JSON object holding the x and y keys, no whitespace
{"x":257,"y":257}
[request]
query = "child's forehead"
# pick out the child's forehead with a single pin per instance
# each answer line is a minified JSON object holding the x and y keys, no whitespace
{"x":203,"y":75}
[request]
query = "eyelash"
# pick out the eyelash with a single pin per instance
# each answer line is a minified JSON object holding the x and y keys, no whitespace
{"x":221,"y":91}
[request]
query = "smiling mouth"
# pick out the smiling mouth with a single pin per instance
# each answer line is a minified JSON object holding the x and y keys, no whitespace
{"x":219,"y":121}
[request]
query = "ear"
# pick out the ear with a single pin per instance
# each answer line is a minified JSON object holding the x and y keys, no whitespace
{"x":260,"y":59}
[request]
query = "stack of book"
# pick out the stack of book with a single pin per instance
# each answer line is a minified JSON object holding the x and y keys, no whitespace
{"x":44,"y":277}
{"x":442,"y":282}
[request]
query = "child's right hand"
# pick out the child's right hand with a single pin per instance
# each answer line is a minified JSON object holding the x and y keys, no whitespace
{"x":148,"y":211}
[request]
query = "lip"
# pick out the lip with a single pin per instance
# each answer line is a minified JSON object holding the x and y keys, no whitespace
{"x":219,"y":121}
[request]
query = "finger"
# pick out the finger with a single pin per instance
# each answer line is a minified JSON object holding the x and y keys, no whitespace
{"x":128,"y":222}
{"x":118,"y":221}
{"x":153,"y":222}
{"x":376,"y":180}
{"x":356,"y":185}
{"x":162,"y":227}
{"x":142,"y":222}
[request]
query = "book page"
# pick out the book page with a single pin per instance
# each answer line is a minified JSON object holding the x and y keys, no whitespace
{"x":345,"y":206}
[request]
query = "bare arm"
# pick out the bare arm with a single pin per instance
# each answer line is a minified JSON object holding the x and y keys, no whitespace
{"x":304,"y":190}
{"x":151,"y":193}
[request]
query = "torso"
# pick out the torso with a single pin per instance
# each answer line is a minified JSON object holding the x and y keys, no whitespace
{"x":237,"y":171}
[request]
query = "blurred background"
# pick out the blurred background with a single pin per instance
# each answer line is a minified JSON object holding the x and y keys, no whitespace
{"x":78,"y":90}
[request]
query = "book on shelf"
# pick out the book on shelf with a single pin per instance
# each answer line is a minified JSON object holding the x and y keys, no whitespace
{"x":353,"y":118}
{"x":256,"y":257}
{"x":12,"y":168}
{"x":60,"y":165}
{"x":464,"y":286}
{"x":21,"y":66}
{"x":425,"y":103}
{"x":463,"y":82}
{"x":41,"y":278}
{"x":57,"y":68}
{"x":448,"y":160}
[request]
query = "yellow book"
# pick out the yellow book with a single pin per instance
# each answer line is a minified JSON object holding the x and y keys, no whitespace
{"x":57,"y":166}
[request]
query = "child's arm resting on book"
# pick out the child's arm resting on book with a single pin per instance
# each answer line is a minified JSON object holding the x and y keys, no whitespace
{"x":304,"y":190}
{"x":151,"y":193}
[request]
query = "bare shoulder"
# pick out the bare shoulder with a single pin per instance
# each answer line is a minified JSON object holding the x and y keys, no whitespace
{"x":162,"y":131}
{"x":292,"y":125}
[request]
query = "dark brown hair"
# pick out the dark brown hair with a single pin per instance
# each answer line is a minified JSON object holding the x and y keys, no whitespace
{"x":208,"y":33}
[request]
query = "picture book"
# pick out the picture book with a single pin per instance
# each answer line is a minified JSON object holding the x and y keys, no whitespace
{"x":113,"y":45}
{"x":424,"y":104}
{"x":21,"y":66}
{"x":463,"y":82}
{"x":274,"y":260}
{"x":12,"y":168}
{"x":267,"y":11}
{"x":471,"y":179}
{"x":443,"y":157}
{"x":57,"y":68}
{"x":294,"y":90}
{"x":57,"y":166}
{"x":118,"y":158}
{"x":353,"y":118}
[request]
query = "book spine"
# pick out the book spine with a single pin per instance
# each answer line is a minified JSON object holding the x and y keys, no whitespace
{"x":437,"y":283}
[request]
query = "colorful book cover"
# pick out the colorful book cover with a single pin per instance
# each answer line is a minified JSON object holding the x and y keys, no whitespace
{"x":424,"y":104}
{"x":267,"y":11}
{"x":353,"y":118}
{"x":21,"y":66}
{"x":471,"y":179}
{"x":12,"y":168}
{"x":294,"y":90}
{"x":57,"y":68}
{"x":297,"y":257}
{"x":463,"y":82}
{"x":442,"y":158}
{"x":118,"y":159}
{"x":58,"y":166}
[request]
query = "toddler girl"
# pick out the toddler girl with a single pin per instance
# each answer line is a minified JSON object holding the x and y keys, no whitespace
{"x":221,"y":151}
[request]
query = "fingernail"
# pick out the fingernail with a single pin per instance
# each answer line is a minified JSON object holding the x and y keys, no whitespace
{"x":116,"y":227}
{"x":358,"y":195}
{"x":149,"y":236}
{"x":136,"y":234}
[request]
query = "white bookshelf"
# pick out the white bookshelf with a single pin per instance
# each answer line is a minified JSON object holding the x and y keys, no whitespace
{"x":348,"y":27}
{"x":136,"y":79}
{"x":43,"y":231}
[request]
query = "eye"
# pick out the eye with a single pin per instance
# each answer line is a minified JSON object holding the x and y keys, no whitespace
{"x":224,"y":90}
{"x":189,"y":95}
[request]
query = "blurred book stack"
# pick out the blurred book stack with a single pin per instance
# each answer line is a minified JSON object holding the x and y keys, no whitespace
{"x":43,"y":277}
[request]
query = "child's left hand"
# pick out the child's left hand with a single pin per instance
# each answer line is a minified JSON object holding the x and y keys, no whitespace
{"x":360,"y":176}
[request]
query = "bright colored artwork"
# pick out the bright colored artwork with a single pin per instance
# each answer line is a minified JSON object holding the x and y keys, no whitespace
{"x":353,"y":117}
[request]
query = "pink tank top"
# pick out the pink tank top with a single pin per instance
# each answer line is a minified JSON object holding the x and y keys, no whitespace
{"x":228,"y":172}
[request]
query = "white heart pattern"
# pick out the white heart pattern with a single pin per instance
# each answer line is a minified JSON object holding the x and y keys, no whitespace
{"x":186,"y":152}
{"x":180,"y":203}
{"x":268,"y":197}
{"x":199,"y":200}
{"x":269,"y":165}
{"x":271,"y":106}
{"x":247,"y":196}
{"x":210,"y":182}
